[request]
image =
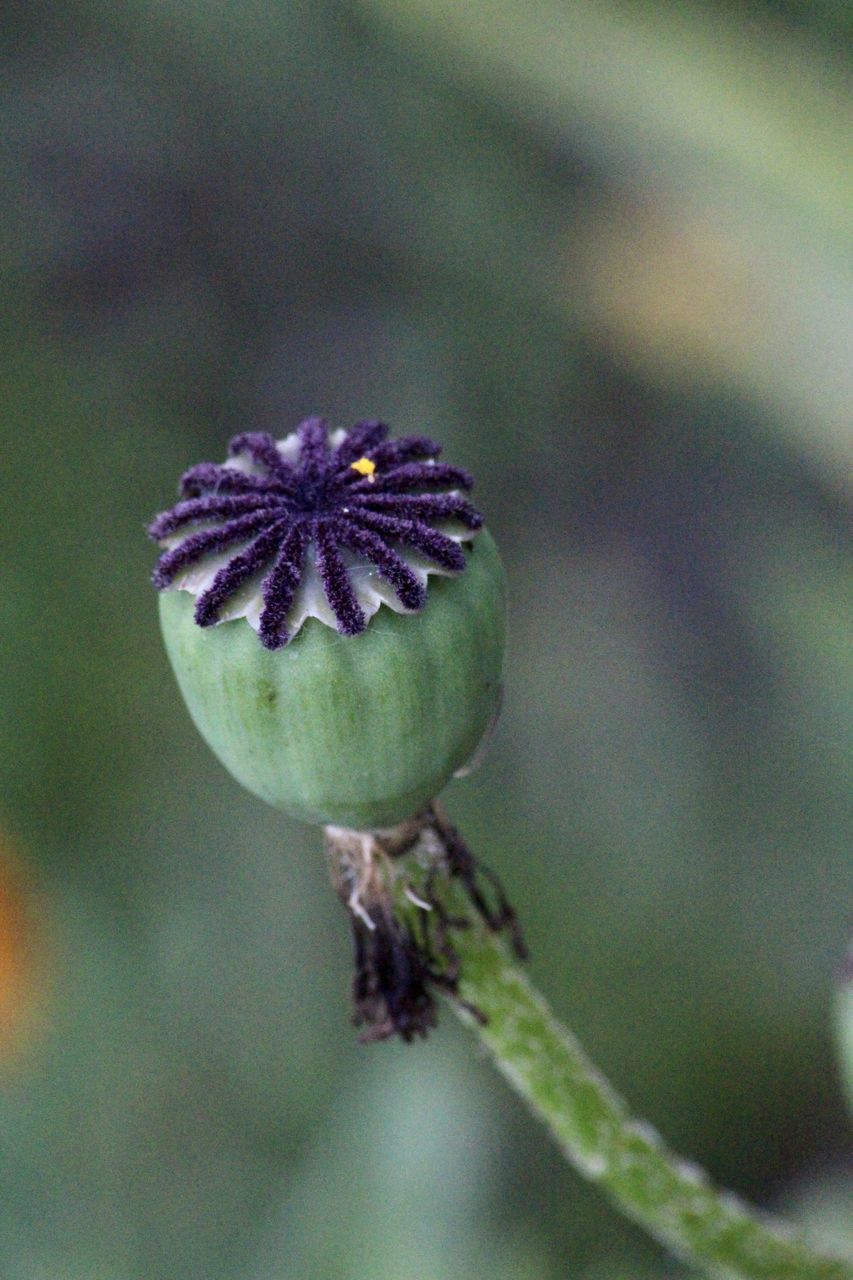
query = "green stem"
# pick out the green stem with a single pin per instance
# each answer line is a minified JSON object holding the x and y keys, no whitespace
{"x":419,"y":905}
{"x":672,"y":1199}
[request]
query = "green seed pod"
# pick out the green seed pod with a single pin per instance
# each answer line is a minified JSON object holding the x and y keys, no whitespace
{"x":315,"y":698}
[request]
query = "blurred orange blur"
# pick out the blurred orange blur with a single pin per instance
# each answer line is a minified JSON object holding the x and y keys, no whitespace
{"x":20,"y":954}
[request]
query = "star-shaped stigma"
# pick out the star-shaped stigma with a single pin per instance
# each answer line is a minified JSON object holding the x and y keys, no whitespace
{"x":316,"y":506}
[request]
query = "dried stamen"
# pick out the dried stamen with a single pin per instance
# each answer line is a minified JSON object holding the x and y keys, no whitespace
{"x":403,"y":937}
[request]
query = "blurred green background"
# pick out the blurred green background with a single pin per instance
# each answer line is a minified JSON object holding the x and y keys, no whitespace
{"x":599,"y":250}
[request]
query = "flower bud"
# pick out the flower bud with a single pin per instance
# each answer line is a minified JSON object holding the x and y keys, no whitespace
{"x":275,"y":572}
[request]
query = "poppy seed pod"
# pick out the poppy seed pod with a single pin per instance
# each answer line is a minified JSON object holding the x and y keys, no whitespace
{"x":275,"y":568}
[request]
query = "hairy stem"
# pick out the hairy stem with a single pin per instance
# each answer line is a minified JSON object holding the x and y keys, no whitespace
{"x":672,"y":1199}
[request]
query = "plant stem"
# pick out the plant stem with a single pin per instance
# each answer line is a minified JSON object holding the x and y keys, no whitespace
{"x":422,"y":920}
{"x":673,"y":1199}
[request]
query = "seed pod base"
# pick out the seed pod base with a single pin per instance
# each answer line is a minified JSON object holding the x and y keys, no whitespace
{"x":360,"y":731}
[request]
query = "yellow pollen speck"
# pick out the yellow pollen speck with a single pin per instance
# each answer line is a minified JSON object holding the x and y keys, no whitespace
{"x":364,"y":467}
